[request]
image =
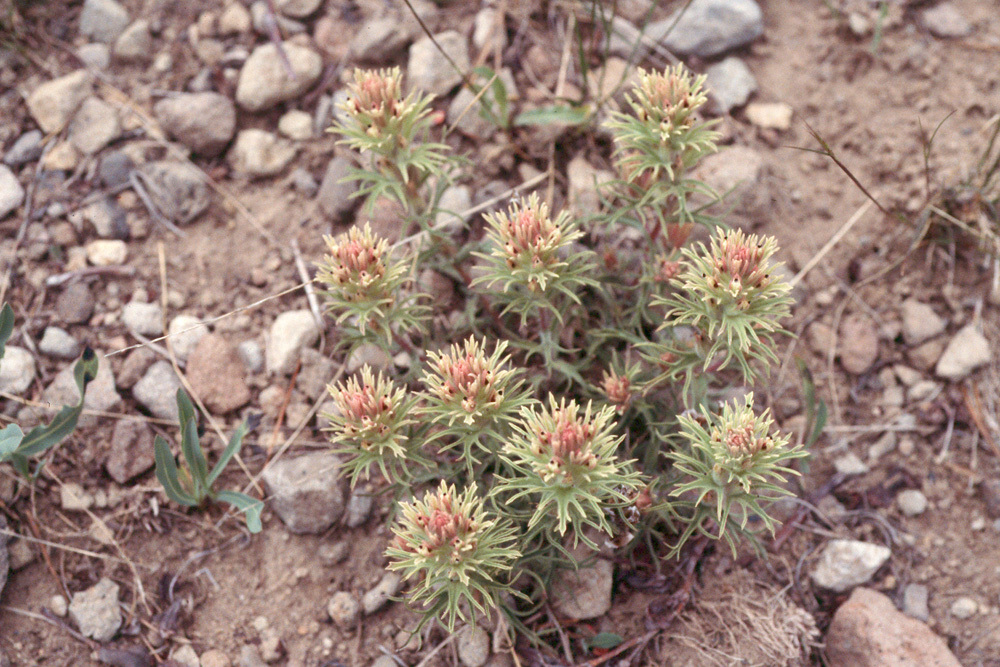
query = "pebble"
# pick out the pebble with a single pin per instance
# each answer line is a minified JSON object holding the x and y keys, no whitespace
{"x":334,"y":554}
{"x":215,"y":658}
{"x":260,"y":153}
{"x":252,"y":354}
{"x":11,"y":192}
{"x":185,"y":656}
{"x":185,"y":332}
{"x":964,"y":607}
{"x":145,"y":319}
{"x":465,"y":114}
{"x":96,"y":611}
{"x":135,"y":44}
{"x":376,"y":598}
{"x":859,"y":344}
{"x":262,"y":20}
{"x":107,"y":217}
{"x":429,"y":71}
{"x":344,"y":609}
{"x":75,"y":304}
{"x":920,"y":322}
{"x":770,"y":115}
{"x":731,"y":83}
{"x":74,"y":498}
{"x":915,"y":598}
{"x":62,"y":157}
{"x":131,"y":450}
{"x":885,"y":444}
{"x":946,"y":21}
{"x":584,"y":183}
{"x":384,"y":660}
{"x":157,"y":390}
{"x":709,"y":27}
{"x":290,"y":332}
{"x":234,"y":20}
{"x":298,"y":9}
{"x":924,"y":357}
{"x":488,"y":29}
{"x":966,"y":352}
{"x":102,"y":394}
{"x":368,"y":354}
{"x":250,"y":657}
{"x":584,"y":593}
{"x":103,"y":20}
{"x":216,"y":373}
{"x":380,"y":39}
{"x":95,"y":55}
{"x":135,"y":366}
{"x":923,"y":390}
{"x":113,"y":170}
{"x":53,"y":103}
{"x":306,"y":492}
{"x":17,"y":370}
{"x":264,"y":83}
{"x":296,"y":124}
{"x":179,"y":192}
{"x":850,"y":464}
{"x":334,"y":195}
{"x":204,"y":122}
{"x":59,"y":343}
{"x":27,"y":148}
{"x":359,"y":507}
{"x":473,"y":646}
{"x":912,"y":502}
{"x":990,"y":491}
{"x":107,"y":252}
{"x":845,"y":564}
{"x":868,"y":631}
{"x":58,"y":605}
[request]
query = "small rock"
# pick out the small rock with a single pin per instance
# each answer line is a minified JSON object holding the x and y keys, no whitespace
{"x":384,"y":661}
{"x":990,"y":490}
{"x":488,"y":29}
{"x":290,"y":332}
{"x":859,"y":24}
{"x":376,"y":598}
{"x":74,"y":498}
{"x":17,"y":370}
{"x":96,"y":611}
{"x":306,"y":492}
{"x":731,"y":83}
{"x":58,"y":343}
{"x":868,"y":631}
{"x":584,"y":184}
{"x":185,"y":656}
{"x":103,"y":20}
{"x":113,"y":170}
{"x":924,"y":357}
{"x":145,"y":319}
{"x":53,"y":103}
{"x":923,"y":390}
{"x":27,"y":148}
{"x":101,"y":396}
{"x":858,"y":343}
{"x":770,"y":115}
{"x":845,"y":564}
{"x":11,"y":192}
{"x":185,"y":332}
{"x":964,"y":607}
{"x":131,"y":452}
{"x":739,"y":174}
{"x":62,"y":157}
{"x":234,"y":20}
{"x":304,"y":182}
{"x":708,"y":28}
{"x":59,"y":605}
{"x":94,"y":56}
{"x":584,"y":593}
{"x":298,"y":9}
{"x":252,"y":355}
{"x":334,"y":554}
{"x":215,"y":372}
{"x":380,"y":39}
{"x":946,"y":21}
{"x":296,"y":125}
{"x":179,"y":192}
{"x":263,"y":20}
{"x":920,"y":322}
{"x":260,"y":153}
{"x":108,"y":218}
{"x":21,"y":554}
{"x":368,"y":354}
{"x":264,"y":83}
{"x":334,"y":196}
{"x":107,"y":252}
{"x":157,"y":390}
{"x":453,"y":208}
{"x":344,"y":609}
{"x":850,"y":464}
{"x":915,"y":602}
{"x":359,"y":506}
{"x":429,"y":71}
{"x":912,"y":502}
{"x":135,"y":44}
{"x":250,"y":657}
{"x":885,"y":444}
{"x":214,"y":658}
{"x":473,"y":646}
{"x":204,"y":122}
{"x":966,"y":352}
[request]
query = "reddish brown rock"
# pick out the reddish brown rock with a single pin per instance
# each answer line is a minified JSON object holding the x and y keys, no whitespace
{"x":868,"y":631}
{"x":216,"y":374}
{"x":131,"y":450}
{"x":858,"y":343}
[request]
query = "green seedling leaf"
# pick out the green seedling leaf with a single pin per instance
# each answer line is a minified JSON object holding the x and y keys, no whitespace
{"x":559,"y":113}
{"x":228,"y":453}
{"x":10,"y":437}
{"x":605,"y":640}
{"x":41,"y":438}
{"x":195,"y":459}
{"x":185,"y":408}
{"x":251,"y":507}
{"x":166,"y":472}
{"x":6,"y":326}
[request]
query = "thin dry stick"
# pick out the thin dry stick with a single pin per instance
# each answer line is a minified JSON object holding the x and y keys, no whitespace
{"x":300,"y":265}
{"x":834,"y":240}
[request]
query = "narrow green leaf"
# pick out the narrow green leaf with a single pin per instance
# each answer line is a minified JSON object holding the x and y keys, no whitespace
{"x":166,"y":472}
{"x":185,"y":408}
{"x":6,"y":326}
{"x":41,"y":438}
{"x":195,"y":457}
{"x":10,"y":438}
{"x":228,"y":453}
{"x":20,"y":464}
{"x":560,"y":113}
{"x":251,"y":507}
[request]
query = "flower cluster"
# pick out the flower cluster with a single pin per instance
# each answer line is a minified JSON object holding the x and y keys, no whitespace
{"x":618,"y":389}
{"x":371,"y":425}
{"x":458,"y":549}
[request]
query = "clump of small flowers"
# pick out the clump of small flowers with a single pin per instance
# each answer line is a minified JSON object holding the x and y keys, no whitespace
{"x":565,"y":462}
{"x":458,"y":552}
{"x":473,"y":396}
{"x":531,"y":257}
{"x":364,"y":285}
{"x":735,"y":462}
{"x":732,"y":294}
{"x":371,"y":427}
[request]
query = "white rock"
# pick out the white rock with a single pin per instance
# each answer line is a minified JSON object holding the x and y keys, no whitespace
{"x":96,"y":611}
{"x":59,"y":605}
{"x":142,"y":318}
{"x":964,"y":607}
{"x":453,"y":208}
{"x":912,"y":502}
{"x":103,"y":20}
{"x":376,"y":598}
{"x":96,"y":55}
{"x":185,"y":331}
{"x":731,"y":83}
{"x":850,"y":464}
{"x":106,"y":252}
{"x":135,"y":44}
{"x":920,"y":322}
{"x":58,"y":343}
{"x":234,"y":20}
{"x":429,"y":71}
{"x":368,"y":354}
{"x":260,"y":153}
{"x":488,"y":28}
{"x":17,"y":370}
{"x":290,"y":332}
{"x":296,"y":124}
{"x":845,"y":564}
{"x":966,"y":352}
{"x":473,"y":646}
{"x":298,"y":9}
{"x":263,"y":81}
{"x":157,"y":390}
{"x":915,"y":601}
{"x":185,"y":656}
{"x":11,"y":192}
{"x":53,"y":103}
{"x":102,"y":395}
{"x":343,"y":609}
{"x":770,"y":115}
{"x":945,"y":20}
{"x":74,"y":498}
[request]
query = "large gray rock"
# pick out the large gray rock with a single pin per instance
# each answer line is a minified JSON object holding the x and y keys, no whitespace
{"x":264,"y":82}
{"x":103,"y":20}
{"x":429,"y":71}
{"x":731,"y":83}
{"x":11,"y":192}
{"x":27,"y":148}
{"x":54,"y":102}
{"x":177,"y":189}
{"x":290,"y":332}
{"x":102,"y":395}
{"x":306,"y":492}
{"x":204,"y":122}
{"x":845,"y":564}
{"x":157,"y":390}
{"x":379,"y":39}
{"x":96,"y":611}
{"x":708,"y":28}
{"x":94,"y":126}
